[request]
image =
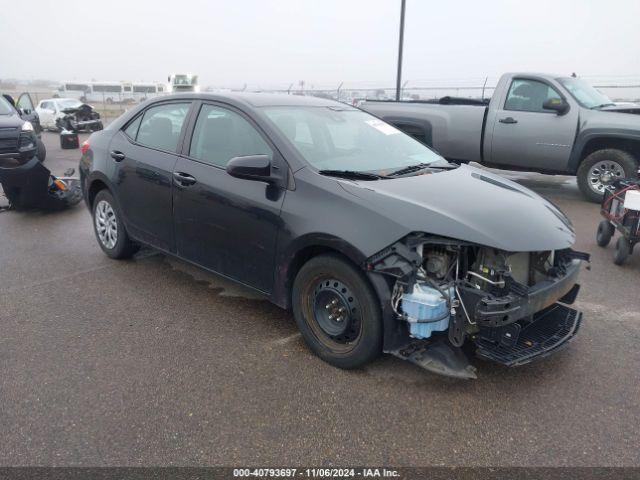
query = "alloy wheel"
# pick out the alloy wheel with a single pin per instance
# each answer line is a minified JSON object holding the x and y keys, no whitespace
{"x":106,"y":224}
{"x":604,"y":173}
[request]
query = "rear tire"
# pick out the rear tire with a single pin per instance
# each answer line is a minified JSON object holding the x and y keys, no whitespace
{"x":109,"y":227}
{"x":337,"y":312}
{"x":592,"y":173}
{"x":623,"y":250}
{"x":605,"y":233}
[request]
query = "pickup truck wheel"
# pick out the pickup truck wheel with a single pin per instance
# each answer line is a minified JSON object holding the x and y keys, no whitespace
{"x":602,"y":168}
{"x":337,"y":312}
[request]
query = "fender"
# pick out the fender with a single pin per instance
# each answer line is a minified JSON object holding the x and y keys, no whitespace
{"x":291,"y":254}
{"x":95,"y":176}
{"x":590,"y":134}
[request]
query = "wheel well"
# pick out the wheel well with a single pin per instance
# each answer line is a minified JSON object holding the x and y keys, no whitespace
{"x":302,"y":257}
{"x":630,"y":146}
{"x":95,"y":187}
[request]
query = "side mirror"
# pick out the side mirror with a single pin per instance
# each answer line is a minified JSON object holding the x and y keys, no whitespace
{"x":251,"y":167}
{"x":556,"y":104}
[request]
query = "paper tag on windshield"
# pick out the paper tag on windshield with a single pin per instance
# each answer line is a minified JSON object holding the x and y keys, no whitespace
{"x":382,"y":127}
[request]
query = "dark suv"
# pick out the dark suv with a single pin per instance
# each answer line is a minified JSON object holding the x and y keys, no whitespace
{"x":18,"y":137}
{"x":373,"y":240}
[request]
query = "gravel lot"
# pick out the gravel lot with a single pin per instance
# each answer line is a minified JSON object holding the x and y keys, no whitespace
{"x":154,"y":362}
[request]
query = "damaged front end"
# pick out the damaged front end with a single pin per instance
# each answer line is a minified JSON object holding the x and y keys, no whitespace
{"x":445,"y":297}
{"x":80,"y":119}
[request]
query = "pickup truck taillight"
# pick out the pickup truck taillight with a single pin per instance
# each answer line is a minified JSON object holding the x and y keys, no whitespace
{"x":84,"y":147}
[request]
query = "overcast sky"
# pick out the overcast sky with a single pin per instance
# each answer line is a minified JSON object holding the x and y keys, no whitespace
{"x":324,"y":42}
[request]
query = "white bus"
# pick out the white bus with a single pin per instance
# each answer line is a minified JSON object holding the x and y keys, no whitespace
{"x":107,"y":92}
{"x":144,"y":91}
{"x":77,"y":90}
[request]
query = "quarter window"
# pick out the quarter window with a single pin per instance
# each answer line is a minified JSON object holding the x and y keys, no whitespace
{"x":160,"y":127}
{"x":132,"y":130}
{"x":529,"y":96}
{"x":221,"y":135}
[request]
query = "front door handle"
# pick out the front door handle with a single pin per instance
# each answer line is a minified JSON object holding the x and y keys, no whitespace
{"x":183,"y":179}
{"x":117,"y":156}
{"x":508,"y":120}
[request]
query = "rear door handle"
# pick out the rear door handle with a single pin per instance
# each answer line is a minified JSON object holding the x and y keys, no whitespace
{"x":117,"y":156}
{"x":183,"y":179}
{"x":508,"y":120}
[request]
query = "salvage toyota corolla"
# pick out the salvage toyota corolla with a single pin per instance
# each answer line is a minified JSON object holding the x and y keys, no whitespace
{"x":374,"y":241}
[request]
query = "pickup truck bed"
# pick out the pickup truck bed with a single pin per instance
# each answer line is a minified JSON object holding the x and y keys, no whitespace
{"x":533,"y":122}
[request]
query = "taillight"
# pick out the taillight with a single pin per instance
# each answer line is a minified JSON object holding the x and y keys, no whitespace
{"x":84,"y":147}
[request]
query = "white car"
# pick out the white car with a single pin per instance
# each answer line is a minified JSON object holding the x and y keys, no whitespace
{"x":50,"y":110}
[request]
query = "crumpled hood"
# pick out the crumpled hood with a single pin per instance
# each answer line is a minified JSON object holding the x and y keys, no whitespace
{"x":469,"y":204}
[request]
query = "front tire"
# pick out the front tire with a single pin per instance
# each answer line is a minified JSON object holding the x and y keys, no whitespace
{"x":337,"y":312}
{"x":605,"y":233}
{"x":601,"y":168}
{"x":109,"y":227}
{"x":41,"y":152}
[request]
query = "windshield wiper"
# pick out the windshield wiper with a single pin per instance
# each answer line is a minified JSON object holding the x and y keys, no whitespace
{"x":410,"y":169}
{"x":353,"y":174}
{"x":602,"y":105}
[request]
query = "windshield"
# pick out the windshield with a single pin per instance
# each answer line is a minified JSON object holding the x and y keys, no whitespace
{"x":343,"y":138}
{"x":69,"y":103}
{"x":585,"y":94}
{"x":5,"y":107}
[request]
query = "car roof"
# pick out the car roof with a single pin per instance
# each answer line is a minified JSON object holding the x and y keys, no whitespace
{"x":256,"y":99}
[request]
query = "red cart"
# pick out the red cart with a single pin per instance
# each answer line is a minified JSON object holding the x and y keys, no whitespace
{"x":621,"y":210}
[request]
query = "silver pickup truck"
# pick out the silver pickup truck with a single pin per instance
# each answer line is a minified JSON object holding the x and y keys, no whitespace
{"x":534,"y":122}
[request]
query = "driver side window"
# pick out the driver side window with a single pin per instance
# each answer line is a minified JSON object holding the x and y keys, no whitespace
{"x":529,"y":96}
{"x":220,"y":135}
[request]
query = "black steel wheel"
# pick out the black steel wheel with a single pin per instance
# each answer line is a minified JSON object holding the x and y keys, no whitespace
{"x":337,"y":312}
{"x":623,"y":250}
{"x":605,"y":233}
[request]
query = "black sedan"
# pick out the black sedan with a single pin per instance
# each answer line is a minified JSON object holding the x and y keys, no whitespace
{"x":372,"y":239}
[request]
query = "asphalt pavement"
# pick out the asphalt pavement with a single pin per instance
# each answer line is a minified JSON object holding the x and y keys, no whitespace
{"x":154,"y":362}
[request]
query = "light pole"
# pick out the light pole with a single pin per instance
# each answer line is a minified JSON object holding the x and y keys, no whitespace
{"x":401,"y":41}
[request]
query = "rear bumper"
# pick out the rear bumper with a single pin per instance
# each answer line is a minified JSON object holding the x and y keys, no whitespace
{"x":517,"y":344}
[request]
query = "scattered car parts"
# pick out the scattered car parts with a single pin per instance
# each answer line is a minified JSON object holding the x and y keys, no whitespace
{"x":29,"y":184}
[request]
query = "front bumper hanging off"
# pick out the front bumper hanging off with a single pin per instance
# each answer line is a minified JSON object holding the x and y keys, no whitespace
{"x":551,"y":330}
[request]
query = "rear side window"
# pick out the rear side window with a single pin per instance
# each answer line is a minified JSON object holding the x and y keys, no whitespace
{"x":132,"y":130}
{"x":221,"y":135}
{"x":529,"y":96}
{"x":160,"y":127}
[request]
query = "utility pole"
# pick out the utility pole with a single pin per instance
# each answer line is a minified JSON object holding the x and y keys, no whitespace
{"x":400,"y":44}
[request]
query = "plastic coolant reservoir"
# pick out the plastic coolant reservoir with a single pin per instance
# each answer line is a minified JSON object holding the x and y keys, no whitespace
{"x":426,"y":310}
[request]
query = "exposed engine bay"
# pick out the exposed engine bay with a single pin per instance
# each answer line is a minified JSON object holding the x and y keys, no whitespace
{"x":79,"y":119}
{"x":446,"y":294}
